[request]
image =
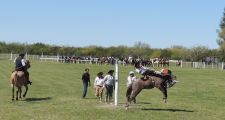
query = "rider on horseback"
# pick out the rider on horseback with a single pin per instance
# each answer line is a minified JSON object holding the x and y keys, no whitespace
{"x":146,"y":72}
{"x":21,"y":66}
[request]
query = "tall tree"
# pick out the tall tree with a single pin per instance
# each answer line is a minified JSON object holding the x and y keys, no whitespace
{"x":221,"y":40}
{"x":221,"y":32}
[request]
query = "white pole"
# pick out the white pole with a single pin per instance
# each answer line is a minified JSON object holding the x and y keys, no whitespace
{"x":11,"y":56}
{"x":57,"y":57}
{"x":181,"y":63}
{"x":116,"y":83}
{"x":222,"y":65}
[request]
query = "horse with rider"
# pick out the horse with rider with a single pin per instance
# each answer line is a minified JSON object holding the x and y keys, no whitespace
{"x":160,"y":79}
{"x":20,"y":76}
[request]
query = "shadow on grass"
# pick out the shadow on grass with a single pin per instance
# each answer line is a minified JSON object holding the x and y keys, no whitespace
{"x":169,"y":110}
{"x":37,"y":99}
{"x":90,"y":98}
{"x":143,"y":103}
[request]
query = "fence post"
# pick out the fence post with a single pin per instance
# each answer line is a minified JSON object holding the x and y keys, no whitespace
{"x":222,"y":66}
{"x":116,"y":83}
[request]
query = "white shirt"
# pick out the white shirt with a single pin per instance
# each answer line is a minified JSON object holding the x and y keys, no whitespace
{"x":99,"y":81}
{"x":130,"y":80}
{"x":109,"y":80}
{"x":23,"y":62}
{"x":141,"y":70}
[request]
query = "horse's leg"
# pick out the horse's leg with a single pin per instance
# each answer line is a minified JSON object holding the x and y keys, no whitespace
{"x":129,"y":90}
{"x":135,"y":100}
{"x":164,"y":91}
{"x":20,"y":92}
{"x":13,"y":89}
{"x":24,"y":95}
{"x":17,"y":92}
{"x":133,"y":95}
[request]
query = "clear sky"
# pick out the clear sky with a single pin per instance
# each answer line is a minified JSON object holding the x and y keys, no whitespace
{"x":159,"y":23}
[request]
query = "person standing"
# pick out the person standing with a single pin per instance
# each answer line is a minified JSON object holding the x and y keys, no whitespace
{"x":98,"y":85}
{"x":131,"y":78}
{"x":86,"y":82}
{"x":109,"y":85}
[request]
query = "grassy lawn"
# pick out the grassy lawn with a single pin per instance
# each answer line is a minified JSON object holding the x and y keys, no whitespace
{"x":57,"y":88}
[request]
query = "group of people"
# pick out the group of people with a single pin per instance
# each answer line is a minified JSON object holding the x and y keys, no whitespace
{"x":107,"y":82}
{"x":101,"y":82}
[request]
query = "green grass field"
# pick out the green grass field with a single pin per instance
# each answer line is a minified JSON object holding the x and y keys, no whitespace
{"x":57,"y":88}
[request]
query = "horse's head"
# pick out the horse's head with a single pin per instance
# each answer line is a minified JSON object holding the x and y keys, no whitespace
{"x":169,"y":76}
{"x":27,"y":63}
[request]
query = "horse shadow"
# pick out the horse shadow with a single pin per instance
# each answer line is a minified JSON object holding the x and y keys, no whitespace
{"x":37,"y":99}
{"x":143,"y":103}
{"x":169,"y":110}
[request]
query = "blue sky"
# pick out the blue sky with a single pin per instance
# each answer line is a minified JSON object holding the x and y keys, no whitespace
{"x":159,"y":23}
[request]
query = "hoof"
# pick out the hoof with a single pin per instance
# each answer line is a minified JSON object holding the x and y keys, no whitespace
{"x":164,"y":100}
{"x":17,"y":99}
{"x":24,"y":96}
{"x":12,"y":99}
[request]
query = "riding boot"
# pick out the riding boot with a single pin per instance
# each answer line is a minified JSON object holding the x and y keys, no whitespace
{"x":27,"y":77}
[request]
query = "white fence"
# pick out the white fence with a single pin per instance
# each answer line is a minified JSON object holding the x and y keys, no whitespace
{"x":197,"y":65}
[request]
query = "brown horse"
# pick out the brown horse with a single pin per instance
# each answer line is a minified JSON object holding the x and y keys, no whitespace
{"x":18,"y":79}
{"x":158,"y":81}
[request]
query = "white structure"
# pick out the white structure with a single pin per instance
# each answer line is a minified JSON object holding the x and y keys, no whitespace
{"x":116,"y":82}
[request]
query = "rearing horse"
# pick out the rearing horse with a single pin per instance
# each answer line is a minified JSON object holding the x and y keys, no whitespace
{"x":157,"y":81}
{"x":18,"y":79}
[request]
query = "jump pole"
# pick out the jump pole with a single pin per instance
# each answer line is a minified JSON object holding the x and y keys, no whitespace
{"x":116,"y":82}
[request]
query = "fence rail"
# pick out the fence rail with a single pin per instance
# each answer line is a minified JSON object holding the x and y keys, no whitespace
{"x":197,"y":65}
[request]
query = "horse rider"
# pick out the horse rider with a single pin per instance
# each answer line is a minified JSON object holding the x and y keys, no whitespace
{"x":21,"y":66}
{"x":146,"y":72}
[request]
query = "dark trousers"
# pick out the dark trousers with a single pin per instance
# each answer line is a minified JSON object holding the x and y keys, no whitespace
{"x":85,"y":87}
{"x":109,"y":93}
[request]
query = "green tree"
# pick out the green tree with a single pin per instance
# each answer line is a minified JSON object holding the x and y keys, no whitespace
{"x":199,"y":52}
{"x":141,"y":49}
{"x":221,"y":40}
{"x":177,"y":52}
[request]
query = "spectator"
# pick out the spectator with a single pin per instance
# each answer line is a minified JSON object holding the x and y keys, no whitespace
{"x":98,"y":85}
{"x":86,"y":82}
{"x":109,"y":85}
{"x":131,"y":78}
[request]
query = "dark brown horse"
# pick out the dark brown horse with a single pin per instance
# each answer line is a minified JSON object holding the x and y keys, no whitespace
{"x":158,"y":81}
{"x":18,"y":80}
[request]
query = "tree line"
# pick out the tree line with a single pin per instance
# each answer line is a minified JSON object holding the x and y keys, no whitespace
{"x":139,"y":49}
